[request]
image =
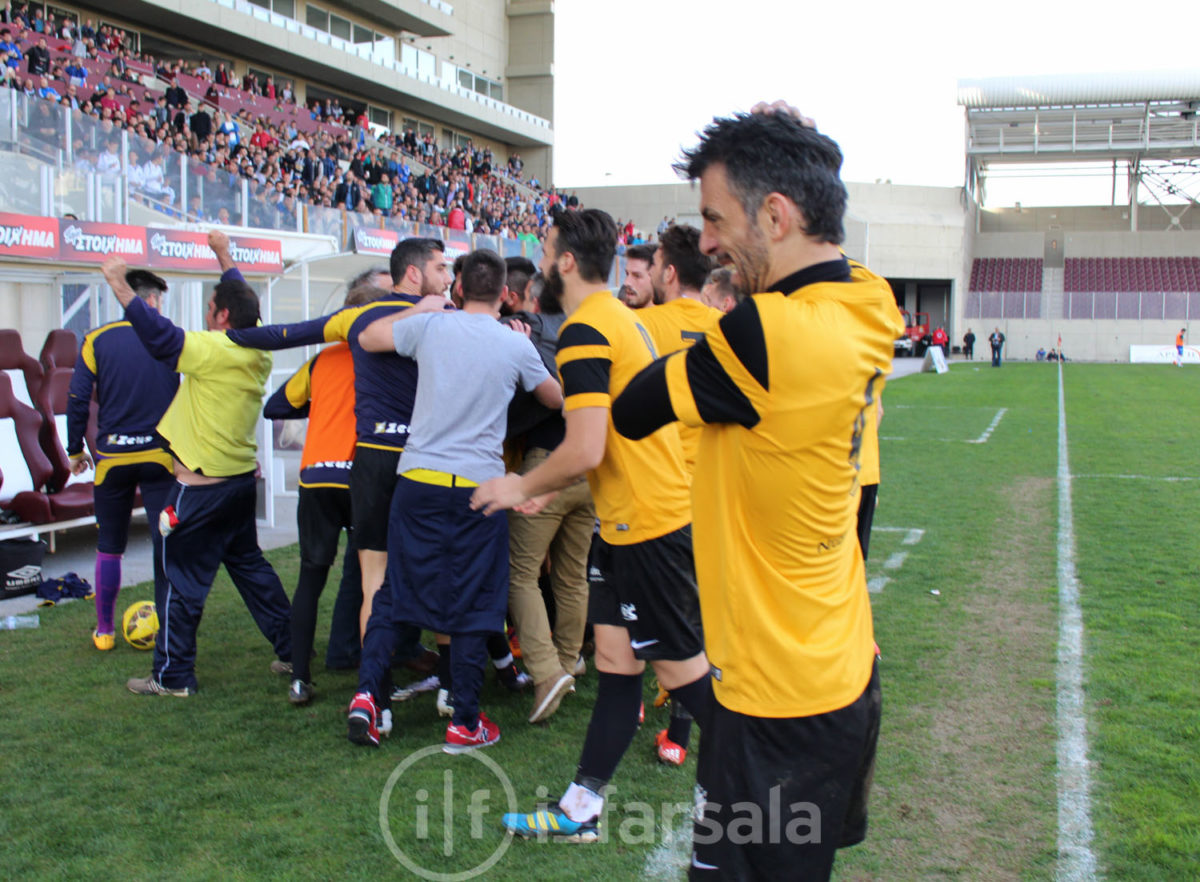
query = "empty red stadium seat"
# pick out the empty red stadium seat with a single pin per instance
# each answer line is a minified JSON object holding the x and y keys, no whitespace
{"x":22,"y":369}
{"x":59,"y":350}
{"x":28,"y":471}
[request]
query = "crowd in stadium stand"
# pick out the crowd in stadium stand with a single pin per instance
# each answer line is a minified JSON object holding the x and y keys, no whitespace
{"x":338,"y":165}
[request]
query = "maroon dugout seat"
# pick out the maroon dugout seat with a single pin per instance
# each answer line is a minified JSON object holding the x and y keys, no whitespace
{"x":22,"y":368}
{"x":59,"y":350}
{"x":52,"y":406}
{"x":28,"y":472}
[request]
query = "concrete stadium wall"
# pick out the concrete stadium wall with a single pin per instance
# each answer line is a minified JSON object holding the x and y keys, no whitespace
{"x":1179,"y":243}
{"x":33,"y":308}
{"x":1080,"y":218}
{"x":1082,"y":339}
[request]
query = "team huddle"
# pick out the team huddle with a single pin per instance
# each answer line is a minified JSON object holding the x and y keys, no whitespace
{"x":698,"y":481}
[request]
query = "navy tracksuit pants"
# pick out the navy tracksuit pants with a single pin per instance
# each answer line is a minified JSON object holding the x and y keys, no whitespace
{"x":216,"y":526}
{"x":447,"y":571}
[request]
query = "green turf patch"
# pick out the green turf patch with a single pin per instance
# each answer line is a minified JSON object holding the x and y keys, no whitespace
{"x":237,"y":784}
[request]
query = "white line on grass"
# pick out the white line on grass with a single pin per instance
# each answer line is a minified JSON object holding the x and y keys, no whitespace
{"x":913,"y":535}
{"x":1076,"y":861}
{"x":982,"y":439}
{"x":874,"y":586}
{"x":1170,"y":479}
{"x":987,"y":433}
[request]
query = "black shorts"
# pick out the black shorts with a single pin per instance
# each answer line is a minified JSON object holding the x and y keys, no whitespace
{"x":321,"y":515}
{"x":372,"y":481}
{"x":866,"y":515}
{"x":810,"y":778}
{"x":648,"y":588}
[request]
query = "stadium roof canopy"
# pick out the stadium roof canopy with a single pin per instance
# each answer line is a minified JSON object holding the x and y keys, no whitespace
{"x":1074,"y":117}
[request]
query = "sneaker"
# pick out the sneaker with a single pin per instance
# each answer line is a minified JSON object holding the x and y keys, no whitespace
{"x":460,"y":739}
{"x":385,"y":723}
{"x":412,"y":690}
{"x":361,"y":722}
{"x":551,"y":824}
{"x":279,"y":666}
{"x":514,"y":680}
{"x":300,"y":692}
{"x":514,"y":645}
{"x":669,"y":753}
{"x":151,"y":686}
{"x":641,"y":714}
{"x":580,"y":668}
{"x":548,"y":694}
{"x":445,"y":708}
{"x":103,"y":642}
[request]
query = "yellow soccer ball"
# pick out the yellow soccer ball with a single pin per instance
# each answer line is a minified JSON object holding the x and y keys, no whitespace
{"x":140,"y":624}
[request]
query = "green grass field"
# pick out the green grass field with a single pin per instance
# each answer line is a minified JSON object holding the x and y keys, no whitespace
{"x":237,"y":784}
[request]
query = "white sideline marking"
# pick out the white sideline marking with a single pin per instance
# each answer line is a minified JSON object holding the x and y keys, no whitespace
{"x":912,"y":535}
{"x":1076,"y":861}
{"x":987,"y":433}
{"x":1166,"y":478}
{"x":982,"y":439}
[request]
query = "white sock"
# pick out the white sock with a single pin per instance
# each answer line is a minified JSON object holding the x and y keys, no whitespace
{"x":580,"y":804}
{"x":502,"y":663}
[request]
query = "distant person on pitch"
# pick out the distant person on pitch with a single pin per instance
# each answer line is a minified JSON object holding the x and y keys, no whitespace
{"x":996,"y":341}
{"x":1179,"y":347}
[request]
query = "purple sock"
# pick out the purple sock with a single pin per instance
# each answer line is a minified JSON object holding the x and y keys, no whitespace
{"x":108,"y":583}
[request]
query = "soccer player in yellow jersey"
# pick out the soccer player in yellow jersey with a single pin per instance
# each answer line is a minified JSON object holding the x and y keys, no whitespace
{"x":678,"y":272}
{"x":645,"y":607}
{"x":780,"y":385}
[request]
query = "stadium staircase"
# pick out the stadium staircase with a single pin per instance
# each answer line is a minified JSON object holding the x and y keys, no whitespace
{"x":1052,"y":291}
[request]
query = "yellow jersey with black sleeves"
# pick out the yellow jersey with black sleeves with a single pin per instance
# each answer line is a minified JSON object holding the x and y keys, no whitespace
{"x":780,"y":386}
{"x":640,"y":487}
{"x":674,"y":326}
{"x":385,"y":384}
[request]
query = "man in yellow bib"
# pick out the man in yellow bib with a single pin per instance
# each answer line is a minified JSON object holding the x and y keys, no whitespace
{"x":209,"y":518}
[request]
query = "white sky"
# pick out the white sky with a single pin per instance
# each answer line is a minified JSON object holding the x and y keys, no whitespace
{"x":634,"y":81}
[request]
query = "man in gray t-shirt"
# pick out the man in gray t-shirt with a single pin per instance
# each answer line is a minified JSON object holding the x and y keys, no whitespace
{"x":448,"y":565}
{"x":469,"y":367}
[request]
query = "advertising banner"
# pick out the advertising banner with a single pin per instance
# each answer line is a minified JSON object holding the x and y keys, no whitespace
{"x":25,"y":235}
{"x":186,"y":250}
{"x":372,"y":240}
{"x":1164,"y":354}
{"x":92,"y":242}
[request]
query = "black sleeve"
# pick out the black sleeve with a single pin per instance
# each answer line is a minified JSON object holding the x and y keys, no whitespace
{"x":644,"y":406}
{"x":718,"y":398}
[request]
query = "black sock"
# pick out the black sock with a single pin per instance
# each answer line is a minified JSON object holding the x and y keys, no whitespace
{"x":443,"y":667}
{"x":697,"y":697}
{"x":304,"y":617}
{"x":611,"y":728}
{"x":497,"y":646}
{"x":680,"y":729}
